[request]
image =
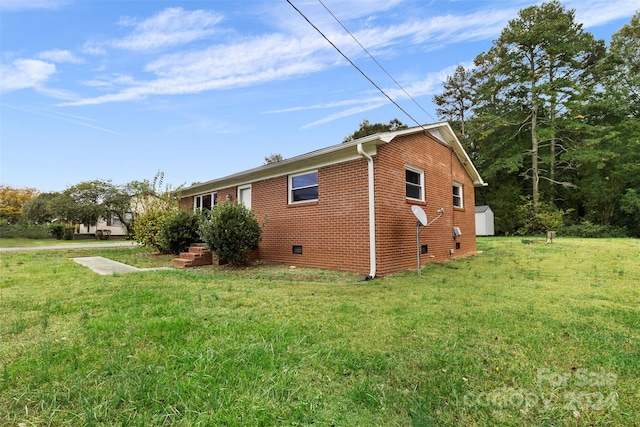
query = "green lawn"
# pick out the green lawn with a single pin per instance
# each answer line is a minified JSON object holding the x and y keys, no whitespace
{"x":521,"y":335}
{"x":19,"y":243}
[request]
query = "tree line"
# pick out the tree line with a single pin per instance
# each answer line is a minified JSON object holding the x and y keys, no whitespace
{"x":148,"y":210}
{"x":86,"y":203}
{"x":550,"y":117}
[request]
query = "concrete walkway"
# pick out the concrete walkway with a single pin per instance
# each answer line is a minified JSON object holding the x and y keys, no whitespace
{"x":128,"y":244}
{"x":106,"y":266}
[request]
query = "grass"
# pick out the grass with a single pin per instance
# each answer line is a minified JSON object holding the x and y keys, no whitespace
{"x":519,"y":335}
{"x":20,"y":243}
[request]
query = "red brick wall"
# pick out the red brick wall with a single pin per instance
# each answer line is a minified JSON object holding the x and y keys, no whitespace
{"x":227,"y":193}
{"x":334,"y":231}
{"x":186,"y":203}
{"x":396,"y":224}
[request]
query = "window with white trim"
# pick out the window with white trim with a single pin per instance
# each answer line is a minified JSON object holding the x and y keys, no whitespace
{"x":457,"y":195}
{"x":205,"y":201}
{"x":303,"y":187}
{"x":414,"y":179}
{"x":244,"y":195}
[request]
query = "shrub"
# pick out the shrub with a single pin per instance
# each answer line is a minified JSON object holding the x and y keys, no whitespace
{"x":147,"y":228}
{"x":25,"y":231}
{"x":68,"y":233}
{"x":587,"y":229}
{"x":56,"y":230}
{"x":179,"y":230}
{"x":231,"y":231}
{"x":537,"y":222}
{"x":131,"y":235}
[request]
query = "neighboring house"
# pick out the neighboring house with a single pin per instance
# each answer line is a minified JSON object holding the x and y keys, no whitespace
{"x":484,"y":221}
{"x":348,"y":206}
{"x":111,"y":225}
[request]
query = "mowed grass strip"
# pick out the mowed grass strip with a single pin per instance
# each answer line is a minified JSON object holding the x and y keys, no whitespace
{"x":15,"y":242}
{"x":519,"y":335}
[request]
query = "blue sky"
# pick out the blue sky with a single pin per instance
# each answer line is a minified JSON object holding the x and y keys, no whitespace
{"x":202,"y":89}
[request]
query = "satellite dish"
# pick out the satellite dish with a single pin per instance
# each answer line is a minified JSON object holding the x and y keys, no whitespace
{"x":419,"y":213}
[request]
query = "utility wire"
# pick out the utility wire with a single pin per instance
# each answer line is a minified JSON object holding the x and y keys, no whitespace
{"x":354,"y":65}
{"x":374,"y":60}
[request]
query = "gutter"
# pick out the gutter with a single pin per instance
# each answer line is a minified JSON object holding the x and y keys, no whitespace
{"x":372,"y":215}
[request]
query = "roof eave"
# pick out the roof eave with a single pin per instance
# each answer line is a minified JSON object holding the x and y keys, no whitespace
{"x":450,"y":139}
{"x":454,"y":142}
{"x":315,"y":159}
{"x":335,"y":154}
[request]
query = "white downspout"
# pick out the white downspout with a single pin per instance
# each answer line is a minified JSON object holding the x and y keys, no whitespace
{"x":372,"y":215}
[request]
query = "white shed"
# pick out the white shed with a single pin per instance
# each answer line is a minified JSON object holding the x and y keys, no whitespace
{"x":484,"y":221}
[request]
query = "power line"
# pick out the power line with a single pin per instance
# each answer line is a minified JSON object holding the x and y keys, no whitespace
{"x":354,"y":65}
{"x":374,"y":60}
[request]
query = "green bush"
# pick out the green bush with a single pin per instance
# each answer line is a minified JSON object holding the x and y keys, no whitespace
{"x":25,"y":231}
{"x":147,"y":228}
{"x":56,"y":230}
{"x":231,"y":231}
{"x":534,"y":222}
{"x":68,"y":233}
{"x":587,"y":229}
{"x":131,"y":234}
{"x":179,"y":230}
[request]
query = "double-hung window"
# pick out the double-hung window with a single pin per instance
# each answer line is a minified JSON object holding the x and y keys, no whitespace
{"x":303,"y":187}
{"x":205,"y":201}
{"x":457,"y":195}
{"x":414,"y":179}
{"x":244,"y":195}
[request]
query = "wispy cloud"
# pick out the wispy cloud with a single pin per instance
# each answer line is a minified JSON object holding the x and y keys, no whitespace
{"x":25,"y":73}
{"x":250,"y":62}
{"x":368,"y":10}
{"x":171,"y":27}
{"x":20,"y":5}
{"x":279,"y":55}
{"x":275,"y":56}
{"x":322,"y":106}
{"x":110,"y":81}
{"x":94,"y":48}
{"x":70,"y":118}
{"x":81,"y":122}
{"x":593,"y":13}
{"x":60,"y":56}
{"x":346,"y":113}
{"x":368,"y":101}
{"x":168,"y":28}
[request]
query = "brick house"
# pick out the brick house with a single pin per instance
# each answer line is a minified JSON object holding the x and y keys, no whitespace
{"x":348,"y":206}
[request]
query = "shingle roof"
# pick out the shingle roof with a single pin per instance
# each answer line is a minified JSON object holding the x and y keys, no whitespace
{"x":338,"y":153}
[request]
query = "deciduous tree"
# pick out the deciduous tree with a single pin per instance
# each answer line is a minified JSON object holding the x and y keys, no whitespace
{"x":12,"y":199}
{"x":273,"y":158}
{"x":151,"y":202}
{"x":366,"y":128}
{"x":37,"y":210}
